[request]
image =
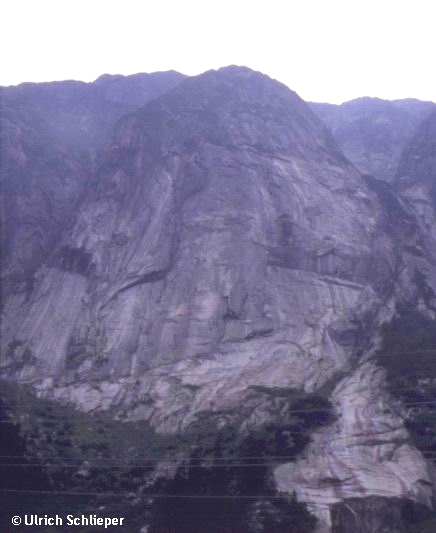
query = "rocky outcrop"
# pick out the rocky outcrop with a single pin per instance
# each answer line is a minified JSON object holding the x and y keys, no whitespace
{"x":227,"y":258}
{"x":372,"y":132}
{"x":366,"y":452}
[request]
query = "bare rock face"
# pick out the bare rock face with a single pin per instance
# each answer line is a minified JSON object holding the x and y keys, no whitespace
{"x":226,"y":257}
{"x":367,"y":451}
{"x":52,"y":136}
{"x":372,"y":132}
{"x":416,"y":175}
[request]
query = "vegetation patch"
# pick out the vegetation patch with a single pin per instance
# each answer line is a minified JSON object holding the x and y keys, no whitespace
{"x":52,"y":447}
{"x":231,"y":471}
{"x":408,"y":353}
{"x":226,"y":473}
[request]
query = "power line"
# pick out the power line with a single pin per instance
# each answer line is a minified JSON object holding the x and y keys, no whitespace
{"x":294,"y":411}
{"x":205,"y":464}
{"x":412,"y":352}
{"x":89,"y":466}
{"x":157,"y":459}
{"x":411,"y":389}
{"x":175,"y":460}
{"x":163,"y":496}
{"x":39,"y":417}
{"x":201,"y":460}
{"x":423,"y":402}
{"x":181,"y":467}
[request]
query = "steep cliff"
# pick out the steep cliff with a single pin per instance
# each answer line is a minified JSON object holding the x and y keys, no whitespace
{"x":52,"y":136}
{"x":228,"y":278}
{"x":372,"y":132}
{"x":416,"y":175}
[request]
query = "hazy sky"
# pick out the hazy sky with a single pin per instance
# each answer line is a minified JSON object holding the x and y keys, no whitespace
{"x":326,"y":50}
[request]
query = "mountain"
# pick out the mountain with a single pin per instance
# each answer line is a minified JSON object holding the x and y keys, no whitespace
{"x":52,"y":137}
{"x":230,"y":288}
{"x":372,"y":132}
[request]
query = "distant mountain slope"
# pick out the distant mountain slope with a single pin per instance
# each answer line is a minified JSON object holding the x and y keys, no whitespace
{"x":373,"y":132}
{"x":416,"y":173}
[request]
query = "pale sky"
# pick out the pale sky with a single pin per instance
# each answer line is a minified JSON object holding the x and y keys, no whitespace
{"x":325,"y":50}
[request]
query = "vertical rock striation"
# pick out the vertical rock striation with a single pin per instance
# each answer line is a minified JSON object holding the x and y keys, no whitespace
{"x":52,"y":137}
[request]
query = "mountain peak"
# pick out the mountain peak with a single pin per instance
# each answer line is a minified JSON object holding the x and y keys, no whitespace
{"x":235,"y":106}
